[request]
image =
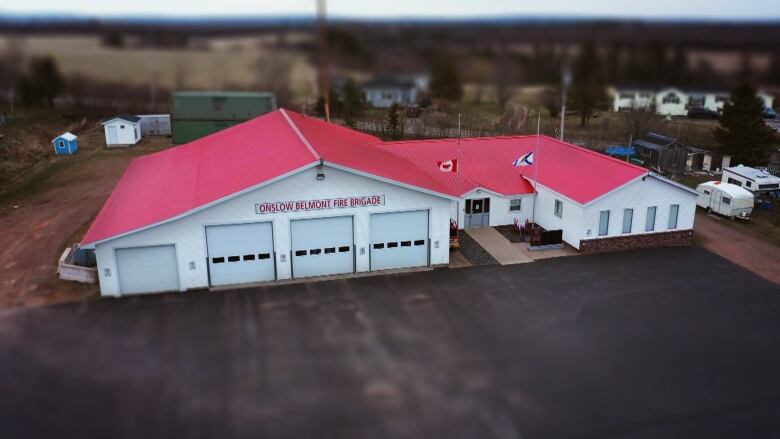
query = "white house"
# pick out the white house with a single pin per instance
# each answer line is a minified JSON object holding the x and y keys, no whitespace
{"x":122,"y":130}
{"x":285,"y":196}
{"x":673,"y":101}
{"x":384,"y":91}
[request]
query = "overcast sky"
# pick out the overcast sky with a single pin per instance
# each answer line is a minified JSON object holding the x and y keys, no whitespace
{"x":707,"y":9}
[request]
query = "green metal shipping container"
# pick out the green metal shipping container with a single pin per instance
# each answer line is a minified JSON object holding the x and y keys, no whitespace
{"x":185,"y":131}
{"x":221,"y":105}
{"x":195,"y":114}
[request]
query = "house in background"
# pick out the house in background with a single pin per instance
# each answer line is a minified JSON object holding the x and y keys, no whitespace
{"x":122,"y":130}
{"x":65,"y":144}
{"x":673,"y":101}
{"x":384,"y":91}
{"x":633,"y":98}
{"x":667,"y":155}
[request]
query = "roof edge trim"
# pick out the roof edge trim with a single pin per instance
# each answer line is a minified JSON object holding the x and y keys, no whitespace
{"x":91,"y":245}
{"x":300,"y":134}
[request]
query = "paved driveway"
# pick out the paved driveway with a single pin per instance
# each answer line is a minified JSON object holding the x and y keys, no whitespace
{"x":656,"y":343}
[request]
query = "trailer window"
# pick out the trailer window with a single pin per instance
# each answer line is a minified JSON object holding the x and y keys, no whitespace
{"x":726,"y":200}
{"x":737,"y":182}
{"x":706,"y":192}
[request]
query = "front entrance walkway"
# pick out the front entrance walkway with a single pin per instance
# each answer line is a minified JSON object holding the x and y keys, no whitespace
{"x":499,"y":247}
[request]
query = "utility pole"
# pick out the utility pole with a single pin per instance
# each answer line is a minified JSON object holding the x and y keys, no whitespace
{"x":565,"y":82}
{"x":324,"y":56}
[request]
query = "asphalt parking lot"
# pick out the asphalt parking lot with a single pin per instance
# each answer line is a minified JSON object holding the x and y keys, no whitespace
{"x":656,"y":343}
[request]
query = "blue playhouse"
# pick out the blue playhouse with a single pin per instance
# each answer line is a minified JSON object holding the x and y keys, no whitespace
{"x":65,"y":144}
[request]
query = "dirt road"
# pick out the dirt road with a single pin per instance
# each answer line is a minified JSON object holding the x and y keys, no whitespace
{"x":760,"y":257}
{"x":50,"y":212}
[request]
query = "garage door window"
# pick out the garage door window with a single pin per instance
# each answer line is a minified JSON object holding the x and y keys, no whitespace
{"x":392,"y":244}
{"x":234,"y":258}
{"x":344,"y":249}
{"x":249,"y":257}
{"x":262,"y":256}
{"x":219,"y":260}
{"x":419,"y":242}
{"x":300,"y":252}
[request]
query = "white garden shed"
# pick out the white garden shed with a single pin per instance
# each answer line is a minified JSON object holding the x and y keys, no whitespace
{"x":122,"y":130}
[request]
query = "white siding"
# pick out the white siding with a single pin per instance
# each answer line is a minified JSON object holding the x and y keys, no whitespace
{"x":569,"y":221}
{"x":499,"y":208}
{"x":188,"y":233}
{"x":671,"y":108}
{"x":640,"y":195}
{"x":127,"y":133}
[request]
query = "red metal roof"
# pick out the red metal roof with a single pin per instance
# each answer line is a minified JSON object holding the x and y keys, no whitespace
{"x":174,"y":182}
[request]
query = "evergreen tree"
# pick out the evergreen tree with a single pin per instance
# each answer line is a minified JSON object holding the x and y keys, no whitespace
{"x":587,"y":90}
{"x":353,"y":103}
{"x":43,"y":83}
{"x":393,"y":123}
{"x":742,"y":133}
{"x":445,"y":80}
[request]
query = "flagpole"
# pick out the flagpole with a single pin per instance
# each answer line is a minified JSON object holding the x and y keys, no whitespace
{"x":457,"y":173}
{"x":536,"y":170}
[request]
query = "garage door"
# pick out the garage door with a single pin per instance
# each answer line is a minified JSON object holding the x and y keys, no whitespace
{"x":322,"y":246}
{"x":240,"y":253}
{"x":399,"y":240}
{"x":147,"y":269}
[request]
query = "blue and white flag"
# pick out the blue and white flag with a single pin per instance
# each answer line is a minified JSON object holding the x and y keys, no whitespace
{"x":525,"y":160}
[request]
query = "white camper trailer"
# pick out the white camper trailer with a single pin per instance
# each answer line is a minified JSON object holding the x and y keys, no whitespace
{"x":726,"y":199}
{"x":754,"y":180}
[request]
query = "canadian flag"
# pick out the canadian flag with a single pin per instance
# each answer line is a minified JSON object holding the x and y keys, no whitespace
{"x":448,"y":166}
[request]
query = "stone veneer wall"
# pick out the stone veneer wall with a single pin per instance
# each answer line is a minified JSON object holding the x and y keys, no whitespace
{"x":661,"y":239}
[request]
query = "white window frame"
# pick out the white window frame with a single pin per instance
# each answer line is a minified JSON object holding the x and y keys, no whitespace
{"x":558,"y":209}
{"x":515,"y":204}
{"x":650,"y":225}
{"x":630,"y":218}
{"x":676,"y":209}
{"x":604,"y":223}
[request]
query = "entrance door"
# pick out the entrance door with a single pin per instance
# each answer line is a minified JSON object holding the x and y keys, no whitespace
{"x":112,"y":135}
{"x":240,"y":253}
{"x":322,"y":246}
{"x":477,"y":213}
{"x":399,"y":240}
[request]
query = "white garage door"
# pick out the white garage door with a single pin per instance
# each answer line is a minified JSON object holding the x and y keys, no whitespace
{"x":322,"y":246}
{"x":147,"y":269}
{"x":240,"y":253}
{"x":399,"y":240}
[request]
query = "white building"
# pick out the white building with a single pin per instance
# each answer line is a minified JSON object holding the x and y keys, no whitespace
{"x":385,"y":91}
{"x":122,"y":130}
{"x":285,"y":196}
{"x":672,"y":101}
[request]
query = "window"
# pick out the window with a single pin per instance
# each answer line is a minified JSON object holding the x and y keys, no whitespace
{"x":121,"y":127}
{"x":249,"y":257}
{"x":406,"y":243}
{"x":419,"y":242}
{"x":234,"y":258}
{"x":737,"y":182}
{"x":650,"y":219}
{"x":559,"y":208}
{"x":218,"y":260}
{"x":300,"y":252}
{"x":262,"y":256}
{"x":343,"y":249}
{"x":673,"y":210}
{"x":392,"y":244}
{"x":330,"y":250}
{"x":628,"y":219}
{"x":725,"y":200}
{"x":515,"y":205}
{"x":626,"y":96}
{"x":707,"y":192}
{"x":671,"y":98}
{"x":604,"y":223}
{"x":379,"y":246}
{"x":747,"y":184}
{"x":315,"y":251}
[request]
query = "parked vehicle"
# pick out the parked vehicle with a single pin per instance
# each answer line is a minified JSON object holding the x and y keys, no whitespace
{"x":725,"y":199}
{"x":702,"y":113}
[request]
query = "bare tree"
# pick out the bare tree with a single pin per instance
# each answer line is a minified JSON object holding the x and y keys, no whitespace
{"x":642,"y":120}
{"x":274,"y":75}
